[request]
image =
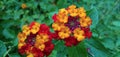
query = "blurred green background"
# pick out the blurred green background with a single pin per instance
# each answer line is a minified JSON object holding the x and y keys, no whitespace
{"x":105,"y":15}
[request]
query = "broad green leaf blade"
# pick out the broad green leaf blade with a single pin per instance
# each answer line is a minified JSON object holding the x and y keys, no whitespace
{"x":42,"y":17}
{"x":97,"y":48}
{"x":61,"y":3}
{"x":3,"y":48}
{"x":17,"y":14}
{"x":118,"y":42}
{"x":82,"y":50}
{"x":117,"y":54}
{"x":53,"y":54}
{"x":60,"y":48}
{"x":36,"y":16}
{"x":116,"y":23}
{"x":108,"y":43}
{"x":72,"y":52}
{"x":8,"y":33}
{"x":77,"y":51}
{"x":15,"y":42}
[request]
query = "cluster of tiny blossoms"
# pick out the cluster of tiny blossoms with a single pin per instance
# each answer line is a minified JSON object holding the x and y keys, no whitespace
{"x":71,"y":25}
{"x":35,"y":40}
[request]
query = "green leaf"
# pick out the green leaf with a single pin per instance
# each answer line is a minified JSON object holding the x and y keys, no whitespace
{"x":8,"y":14}
{"x":15,"y":42}
{"x":61,"y":3}
{"x":14,"y":55}
{"x":89,"y":1}
{"x":32,"y":4}
{"x":3,"y":48}
{"x":97,"y":48}
{"x":77,"y":51}
{"x":49,"y":21}
{"x":53,"y":54}
{"x":108,"y":41}
{"x":51,"y":14}
{"x":41,"y":18}
{"x":7,"y":23}
{"x":36,"y":16}
{"x":17,"y":14}
{"x":117,"y":54}
{"x":116,"y":23}
{"x":60,"y":48}
{"x":8,"y":33}
{"x":118,"y":42}
{"x":44,"y":6}
{"x":29,"y":19}
{"x":93,"y":13}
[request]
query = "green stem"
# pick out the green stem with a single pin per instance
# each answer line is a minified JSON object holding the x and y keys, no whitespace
{"x":5,"y":54}
{"x":8,"y":42}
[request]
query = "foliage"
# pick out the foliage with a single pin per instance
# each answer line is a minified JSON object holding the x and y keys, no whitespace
{"x":105,"y":15}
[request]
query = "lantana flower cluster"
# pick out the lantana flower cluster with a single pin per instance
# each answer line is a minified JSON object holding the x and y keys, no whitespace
{"x":72,"y":25}
{"x":35,"y":40}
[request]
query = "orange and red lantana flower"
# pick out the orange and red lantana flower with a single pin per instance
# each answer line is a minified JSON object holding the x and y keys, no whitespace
{"x":71,"y":25}
{"x":35,"y":40}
